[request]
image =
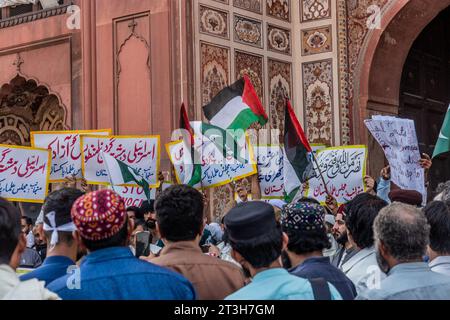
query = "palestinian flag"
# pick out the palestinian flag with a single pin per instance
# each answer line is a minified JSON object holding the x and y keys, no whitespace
{"x":120,"y":174}
{"x":227,"y":144}
{"x":236,"y":107}
{"x":297,"y":161}
{"x":193,"y":171}
{"x":443,"y":143}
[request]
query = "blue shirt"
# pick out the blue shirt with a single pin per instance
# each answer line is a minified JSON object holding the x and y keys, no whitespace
{"x":320,"y":267}
{"x":278,"y":284}
{"x":383,"y":189}
{"x":115,"y":274}
{"x":52,"y":269}
{"x":410,"y":281}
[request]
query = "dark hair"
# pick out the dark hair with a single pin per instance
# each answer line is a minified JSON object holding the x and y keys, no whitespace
{"x":60,"y":202}
{"x":301,"y":242}
{"x":360,"y":218}
{"x":118,"y":240}
{"x":308,"y":200}
{"x":147,"y":207}
{"x":179,"y":213}
{"x":438,"y":216}
{"x":137,"y":212}
{"x":262,"y":251}
{"x":10,"y":230}
{"x":360,"y":198}
{"x":28,"y":220}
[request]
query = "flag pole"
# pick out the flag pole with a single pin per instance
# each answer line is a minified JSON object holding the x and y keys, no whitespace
{"x":320,"y":173}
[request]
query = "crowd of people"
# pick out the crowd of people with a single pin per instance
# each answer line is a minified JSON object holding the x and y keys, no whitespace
{"x":383,"y":244}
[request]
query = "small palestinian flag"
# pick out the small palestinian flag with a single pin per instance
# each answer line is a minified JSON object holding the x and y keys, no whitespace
{"x":236,"y":107}
{"x":121,"y":174}
{"x":193,"y":171}
{"x":298,"y":166}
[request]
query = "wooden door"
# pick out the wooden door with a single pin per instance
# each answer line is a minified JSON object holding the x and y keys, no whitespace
{"x":425,"y":90}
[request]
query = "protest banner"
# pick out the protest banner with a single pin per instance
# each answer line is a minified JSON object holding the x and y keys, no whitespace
{"x":216,"y":170}
{"x":270,"y":171}
{"x":24,"y":173}
{"x":65,"y":147}
{"x":135,"y":196}
{"x":343,"y":169}
{"x":141,"y":153}
{"x":398,"y":139}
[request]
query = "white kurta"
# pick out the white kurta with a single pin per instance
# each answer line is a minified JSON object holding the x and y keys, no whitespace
{"x":11,"y":288}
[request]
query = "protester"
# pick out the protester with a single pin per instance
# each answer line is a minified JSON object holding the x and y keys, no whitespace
{"x":30,"y":259}
{"x":27,"y":229}
{"x":277,"y":205}
{"x":438,"y":216}
{"x":179,"y":213}
{"x":329,"y":223}
{"x":40,"y":242}
{"x":362,"y":268}
{"x":134,"y":213}
{"x":257,"y":242}
{"x":346,"y":249}
{"x":401,"y":238}
{"x":110,"y":271}
{"x":59,"y":230}
{"x":443,"y":192}
{"x":148,"y":211}
{"x":383,"y":187}
{"x":13,"y":243}
{"x":223,"y":248}
{"x":216,"y":232}
{"x":304,"y":224}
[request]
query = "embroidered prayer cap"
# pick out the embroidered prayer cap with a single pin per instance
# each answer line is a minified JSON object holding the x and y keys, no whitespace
{"x":305,"y":216}
{"x":249,"y":220}
{"x":99,"y":215}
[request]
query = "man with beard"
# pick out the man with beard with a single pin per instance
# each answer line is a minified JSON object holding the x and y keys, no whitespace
{"x":401,"y":236}
{"x":346,"y":249}
{"x":63,"y":248}
{"x":362,"y":268}
{"x":148,"y":210}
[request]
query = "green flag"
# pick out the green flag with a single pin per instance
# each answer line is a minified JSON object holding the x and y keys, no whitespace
{"x":120,"y":174}
{"x":443,"y":143}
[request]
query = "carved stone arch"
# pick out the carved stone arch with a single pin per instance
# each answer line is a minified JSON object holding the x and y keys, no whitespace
{"x":27,"y":105}
{"x":132,"y":73}
{"x":380,"y":65}
{"x":136,"y":36}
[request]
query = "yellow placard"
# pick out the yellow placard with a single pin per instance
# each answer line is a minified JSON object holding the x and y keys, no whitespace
{"x":68,"y":132}
{"x":227,"y":181}
{"x":158,"y":151}
{"x":47,"y":178}
{"x":343,"y":148}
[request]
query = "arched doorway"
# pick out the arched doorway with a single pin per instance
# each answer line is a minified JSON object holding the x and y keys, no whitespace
{"x":27,"y":106}
{"x":425,"y":89}
{"x":379,"y":69}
